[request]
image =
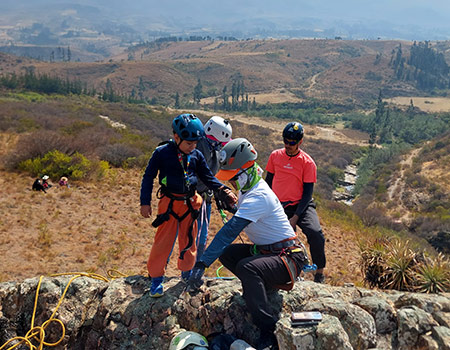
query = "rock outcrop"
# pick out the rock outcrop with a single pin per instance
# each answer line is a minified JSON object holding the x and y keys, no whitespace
{"x":121,"y":315}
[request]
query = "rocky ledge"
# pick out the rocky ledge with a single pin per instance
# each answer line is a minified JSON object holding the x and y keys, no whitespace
{"x":121,"y":315}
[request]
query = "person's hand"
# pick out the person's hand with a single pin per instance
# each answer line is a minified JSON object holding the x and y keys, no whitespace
{"x":195,"y":281}
{"x":146,"y":211}
{"x":226,"y":199}
{"x":293,"y":221}
{"x":232,"y":199}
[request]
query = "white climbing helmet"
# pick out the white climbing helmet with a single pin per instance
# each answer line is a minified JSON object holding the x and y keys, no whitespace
{"x":183,"y":339}
{"x":219,"y":128}
{"x":45,"y":177}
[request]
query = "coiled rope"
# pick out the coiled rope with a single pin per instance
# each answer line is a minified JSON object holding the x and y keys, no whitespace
{"x":37,"y":333}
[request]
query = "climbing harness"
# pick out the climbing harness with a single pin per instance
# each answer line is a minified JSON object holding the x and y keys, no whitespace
{"x":161,"y":218}
{"x":284,"y":249}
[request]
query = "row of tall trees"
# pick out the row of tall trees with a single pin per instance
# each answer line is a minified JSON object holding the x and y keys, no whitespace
{"x":389,"y":125}
{"x":425,"y":66}
{"x":46,"y":84}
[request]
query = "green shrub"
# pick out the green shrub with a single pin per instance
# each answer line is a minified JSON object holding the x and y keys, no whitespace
{"x":335,"y":174}
{"x":56,"y":164}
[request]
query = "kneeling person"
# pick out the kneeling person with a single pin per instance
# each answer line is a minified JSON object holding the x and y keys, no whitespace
{"x":275,"y":259}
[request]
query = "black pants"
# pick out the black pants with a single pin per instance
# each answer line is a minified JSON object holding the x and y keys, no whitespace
{"x":257,"y":272}
{"x":310,"y":225}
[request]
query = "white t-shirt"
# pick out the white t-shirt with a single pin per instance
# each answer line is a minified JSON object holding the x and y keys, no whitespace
{"x":269,"y":223}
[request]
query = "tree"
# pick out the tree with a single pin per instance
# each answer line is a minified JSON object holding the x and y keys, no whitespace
{"x":225,"y":98}
{"x":177,"y":100}
{"x":198,"y":91}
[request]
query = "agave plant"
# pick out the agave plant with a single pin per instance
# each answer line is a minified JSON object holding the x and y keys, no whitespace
{"x":433,"y":275}
{"x":400,"y":264}
{"x":373,"y":261}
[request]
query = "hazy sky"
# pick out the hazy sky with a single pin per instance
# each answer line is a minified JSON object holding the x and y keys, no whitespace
{"x":405,"y":17}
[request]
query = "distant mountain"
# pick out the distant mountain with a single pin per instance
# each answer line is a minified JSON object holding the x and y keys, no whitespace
{"x":141,"y":20}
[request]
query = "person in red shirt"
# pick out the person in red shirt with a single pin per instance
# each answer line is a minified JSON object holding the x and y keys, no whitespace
{"x":291,"y":173}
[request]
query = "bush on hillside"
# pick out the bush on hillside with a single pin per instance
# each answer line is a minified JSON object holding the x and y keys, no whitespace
{"x":36,"y":145}
{"x":56,"y":164}
{"x":118,"y":154}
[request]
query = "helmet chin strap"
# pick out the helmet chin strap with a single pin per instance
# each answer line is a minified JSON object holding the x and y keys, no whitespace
{"x":178,"y":146}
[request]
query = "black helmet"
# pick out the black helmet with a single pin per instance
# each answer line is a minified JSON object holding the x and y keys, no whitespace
{"x":293,"y":131}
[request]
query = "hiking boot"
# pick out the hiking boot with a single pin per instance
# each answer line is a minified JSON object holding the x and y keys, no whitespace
{"x":319,"y":278}
{"x":157,"y":289}
{"x":185,"y":275}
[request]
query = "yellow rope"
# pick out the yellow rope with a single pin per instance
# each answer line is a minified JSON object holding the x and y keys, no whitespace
{"x":38,"y":333}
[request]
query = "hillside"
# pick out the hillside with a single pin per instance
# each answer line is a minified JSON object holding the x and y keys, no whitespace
{"x":342,"y":72}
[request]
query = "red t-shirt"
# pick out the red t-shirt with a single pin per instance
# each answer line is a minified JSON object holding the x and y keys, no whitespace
{"x":290,"y":173}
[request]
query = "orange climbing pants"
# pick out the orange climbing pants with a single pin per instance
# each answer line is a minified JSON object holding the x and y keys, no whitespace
{"x":166,"y":235}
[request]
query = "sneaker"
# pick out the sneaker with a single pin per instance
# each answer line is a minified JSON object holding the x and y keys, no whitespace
{"x":185,"y":275}
{"x":319,"y":278}
{"x":157,"y":289}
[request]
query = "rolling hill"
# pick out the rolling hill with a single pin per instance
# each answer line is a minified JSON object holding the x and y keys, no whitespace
{"x":344,"y":72}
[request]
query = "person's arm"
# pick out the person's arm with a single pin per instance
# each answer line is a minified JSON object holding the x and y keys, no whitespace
{"x":223,"y":239}
{"x":269,"y":178}
{"x":308,"y":188}
{"x":147,"y":185}
{"x":205,"y":174}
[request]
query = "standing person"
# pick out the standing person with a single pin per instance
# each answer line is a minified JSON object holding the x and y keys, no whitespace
{"x":179,"y":166}
{"x":217,"y":133}
{"x":276,"y":257}
{"x":291,"y":173}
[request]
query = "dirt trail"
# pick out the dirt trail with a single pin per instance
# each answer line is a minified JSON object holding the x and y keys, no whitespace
{"x":398,"y":187}
{"x":312,"y":82}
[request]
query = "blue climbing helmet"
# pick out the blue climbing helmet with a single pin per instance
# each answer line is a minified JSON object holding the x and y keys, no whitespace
{"x":293,"y":131}
{"x":188,"y":127}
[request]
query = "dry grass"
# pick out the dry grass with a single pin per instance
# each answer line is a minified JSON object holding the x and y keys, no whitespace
{"x":426,"y":104}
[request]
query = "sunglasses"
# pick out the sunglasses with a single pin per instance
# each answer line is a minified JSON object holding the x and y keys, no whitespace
{"x":290,"y":142}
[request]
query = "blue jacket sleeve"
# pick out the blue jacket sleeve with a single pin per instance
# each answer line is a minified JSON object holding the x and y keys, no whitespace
{"x":206,"y":175}
{"x":223,"y":239}
{"x":149,"y":176}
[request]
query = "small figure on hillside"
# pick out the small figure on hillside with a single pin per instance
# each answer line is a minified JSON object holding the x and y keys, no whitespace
{"x":45,"y":182}
{"x":291,"y":173}
{"x":217,"y":134}
{"x":274,"y":258}
{"x":38,"y":186}
{"x":180,"y":166}
{"x":64,"y":181}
